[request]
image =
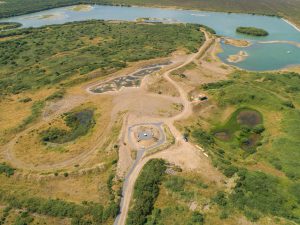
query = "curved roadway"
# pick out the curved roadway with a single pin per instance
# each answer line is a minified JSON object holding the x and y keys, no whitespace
{"x":134,"y":172}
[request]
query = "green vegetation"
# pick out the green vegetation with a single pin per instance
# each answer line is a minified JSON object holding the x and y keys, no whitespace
{"x":175,"y":196}
{"x":7,"y":170}
{"x":256,"y":91}
{"x":217,"y":85}
{"x":245,"y":127}
{"x":67,"y":54}
{"x":9,"y":25}
{"x":86,"y":213}
{"x":267,"y":7}
{"x":252,"y":31}
{"x":78,"y":122}
{"x":259,"y":193}
{"x":23,"y":219}
{"x":146,"y":191}
{"x":5,"y":214}
{"x":36,"y":111}
{"x":266,"y":108}
{"x":56,"y":95}
{"x":25,"y":100}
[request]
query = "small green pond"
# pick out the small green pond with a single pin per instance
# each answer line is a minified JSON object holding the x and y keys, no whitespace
{"x":244,"y":127}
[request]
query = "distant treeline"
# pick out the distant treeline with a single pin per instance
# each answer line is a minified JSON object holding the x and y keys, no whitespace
{"x":266,"y":7}
{"x":9,"y":25}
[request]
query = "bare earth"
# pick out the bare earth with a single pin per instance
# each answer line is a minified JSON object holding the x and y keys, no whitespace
{"x":183,"y":154}
{"x":141,"y":105}
{"x":237,"y":43}
{"x":239,"y":57}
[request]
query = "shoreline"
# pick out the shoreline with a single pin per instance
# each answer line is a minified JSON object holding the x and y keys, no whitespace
{"x":291,"y":24}
{"x":141,"y":6}
{"x":297,"y":44}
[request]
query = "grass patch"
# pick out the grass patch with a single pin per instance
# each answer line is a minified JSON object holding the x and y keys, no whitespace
{"x":257,"y":193}
{"x":78,"y":122}
{"x":36,"y":111}
{"x":7,"y":170}
{"x":56,"y":95}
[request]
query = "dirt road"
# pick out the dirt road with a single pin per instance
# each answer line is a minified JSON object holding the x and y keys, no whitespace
{"x":187,"y":111}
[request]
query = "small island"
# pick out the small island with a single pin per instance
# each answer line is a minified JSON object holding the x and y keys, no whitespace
{"x":239,"y":57}
{"x":253,"y":31}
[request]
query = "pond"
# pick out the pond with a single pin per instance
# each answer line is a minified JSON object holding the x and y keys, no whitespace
{"x":261,"y":56}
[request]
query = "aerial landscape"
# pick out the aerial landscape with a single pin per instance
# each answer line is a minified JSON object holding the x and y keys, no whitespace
{"x":146,"y":112}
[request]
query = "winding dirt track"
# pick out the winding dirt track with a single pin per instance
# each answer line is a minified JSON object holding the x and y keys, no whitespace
{"x":179,"y":144}
{"x":187,"y":111}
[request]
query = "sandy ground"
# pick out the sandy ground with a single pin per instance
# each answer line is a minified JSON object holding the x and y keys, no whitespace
{"x":136,"y":101}
{"x":239,"y":57}
{"x":183,"y":154}
{"x":237,"y":43}
{"x":81,"y":8}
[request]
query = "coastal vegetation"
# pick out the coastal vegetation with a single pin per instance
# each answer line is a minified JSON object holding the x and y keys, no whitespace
{"x":253,"y":31}
{"x":9,"y":25}
{"x":80,"y":51}
{"x":267,"y":7}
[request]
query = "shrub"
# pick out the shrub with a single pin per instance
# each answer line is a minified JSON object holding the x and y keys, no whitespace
{"x":217,"y":85}
{"x":220,"y":199}
{"x":175,"y":183}
{"x":224,"y":214}
{"x":25,"y":100}
{"x":7,"y":170}
{"x":257,"y":191}
{"x":230,"y":171}
{"x":288,"y":104}
{"x":36,"y":110}
{"x":202,"y":137}
{"x":56,"y":95}
{"x":197,"y":218}
{"x":252,"y":215}
{"x":79,"y":213}
{"x":23,"y":219}
{"x":258,"y":129}
{"x":146,"y":191}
